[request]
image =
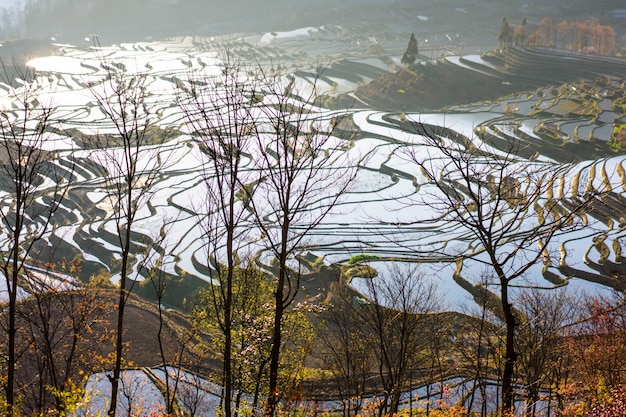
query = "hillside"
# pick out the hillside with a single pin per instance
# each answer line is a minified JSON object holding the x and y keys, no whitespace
{"x":456,"y":80}
{"x":73,"y":331}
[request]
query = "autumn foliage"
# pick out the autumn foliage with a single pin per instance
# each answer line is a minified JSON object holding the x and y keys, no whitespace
{"x":588,"y":36}
{"x":596,"y":352}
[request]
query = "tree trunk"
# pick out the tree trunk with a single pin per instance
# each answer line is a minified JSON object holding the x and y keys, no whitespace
{"x":228,"y":378}
{"x":279,"y":308}
{"x":228,"y":343}
{"x":272,"y":400}
{"x":119,"y":346}
{"x":509,"y":355}
{"x":395,"y":401}
{"x":10,"y":384}
{"x":115,"y":379}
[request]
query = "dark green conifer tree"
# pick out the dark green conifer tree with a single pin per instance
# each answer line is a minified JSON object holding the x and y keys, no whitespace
{"x":506,"y":35}
{"x":410,"y":54}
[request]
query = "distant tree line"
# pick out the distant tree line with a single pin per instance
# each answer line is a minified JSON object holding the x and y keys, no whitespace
{"x":588,"y":36}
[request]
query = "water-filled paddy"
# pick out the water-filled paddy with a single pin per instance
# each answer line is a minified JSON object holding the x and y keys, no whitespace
{"x":378,"y":215}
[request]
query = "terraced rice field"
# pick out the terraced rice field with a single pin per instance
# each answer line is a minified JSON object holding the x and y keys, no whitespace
{"x":561,"y":111}
{"x":557,"y":108}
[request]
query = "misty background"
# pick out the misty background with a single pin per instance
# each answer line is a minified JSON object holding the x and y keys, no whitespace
{"x":74,"y":21}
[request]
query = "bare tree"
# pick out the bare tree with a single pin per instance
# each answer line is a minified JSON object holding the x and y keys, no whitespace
{"x":544,"y":314}
{"x":303,"y":178}
{"x":129,"y":156}
{"x":219,"y":114}
{"x":195,"y":396}
{"x":60,"y":339}
{"x":508,"y":207}
{"x":136,"y":391}
{"x":397,"y":320}
{"x":477,"y":344}
{"x":267,"y":156}
{"x":174,"y":343}
{"x":349,"y":356}
{"x":33,"y":187}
